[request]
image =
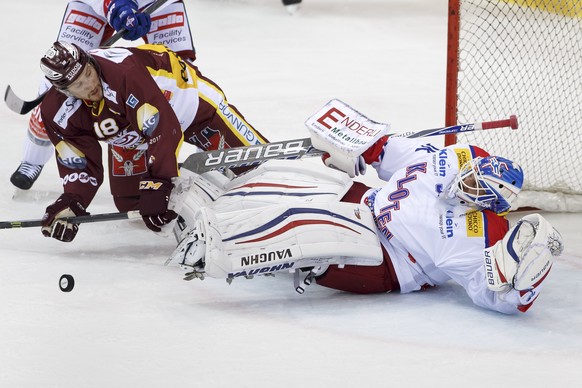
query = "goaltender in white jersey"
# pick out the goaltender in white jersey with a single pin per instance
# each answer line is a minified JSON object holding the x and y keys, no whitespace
{"x":439,"y":217}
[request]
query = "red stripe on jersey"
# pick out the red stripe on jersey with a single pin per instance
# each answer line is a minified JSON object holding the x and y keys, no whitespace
{"x":476,"y":152}
{"x":495,"y":227}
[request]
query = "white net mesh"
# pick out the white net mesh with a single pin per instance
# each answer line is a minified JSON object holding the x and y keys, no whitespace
{"x":525,"y":58}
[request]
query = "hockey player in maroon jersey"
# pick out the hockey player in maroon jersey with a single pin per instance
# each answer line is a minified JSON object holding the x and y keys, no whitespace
{"x":88,"y":24}
{"x":143,"y":102}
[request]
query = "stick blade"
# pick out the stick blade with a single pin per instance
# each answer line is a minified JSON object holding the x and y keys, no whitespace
{"x":17,"y":104}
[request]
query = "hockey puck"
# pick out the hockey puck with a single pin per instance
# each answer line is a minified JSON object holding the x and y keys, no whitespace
{"x":66,"y":283}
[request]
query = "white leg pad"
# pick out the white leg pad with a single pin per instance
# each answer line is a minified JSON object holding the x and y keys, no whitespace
{"x":287,"y":237}
{"x":199,"y":190}
{"x":283,"y":181}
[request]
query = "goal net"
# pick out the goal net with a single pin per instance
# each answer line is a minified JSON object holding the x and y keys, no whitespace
{"x":522,"y":57}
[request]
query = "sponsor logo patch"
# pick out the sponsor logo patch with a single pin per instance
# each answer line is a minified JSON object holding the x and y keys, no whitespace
{"x":265,"y":256}
{"x":167,"y":21}
{"x":464,"y":155}
{"x":262,"y":270}
{"x":148,"y":118}
{"x":475,"y":224}
{"x":70,"y":157}
{"x":84,"y":20}
{"x":132,"y":101}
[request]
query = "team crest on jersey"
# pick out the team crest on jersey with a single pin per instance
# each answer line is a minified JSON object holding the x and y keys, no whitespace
{"x":148,"y":117}
{"x":132,"y":101}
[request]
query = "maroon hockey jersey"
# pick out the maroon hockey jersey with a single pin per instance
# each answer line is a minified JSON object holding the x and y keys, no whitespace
{"x":151,"y":97}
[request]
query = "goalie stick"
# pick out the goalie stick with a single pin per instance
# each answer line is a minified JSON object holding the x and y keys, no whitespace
{"x":77,"y":220}
{"x":22,"y":107}
{"x":300,"y":148}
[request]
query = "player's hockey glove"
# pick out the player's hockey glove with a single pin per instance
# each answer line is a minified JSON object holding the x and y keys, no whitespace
{"x":53,"y":224}
{"x":153,"y":203}
{"x":124,"y":14}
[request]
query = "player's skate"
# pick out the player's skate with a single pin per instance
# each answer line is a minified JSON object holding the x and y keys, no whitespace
{"x":25,"y":175}
{"x":292,"y":6}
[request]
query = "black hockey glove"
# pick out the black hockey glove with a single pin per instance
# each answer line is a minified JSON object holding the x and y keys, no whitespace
{"x":53,"y":225}
{"x":153,"y":203}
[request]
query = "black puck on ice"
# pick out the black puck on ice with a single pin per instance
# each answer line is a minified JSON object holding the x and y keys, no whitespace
{"x":66,"y":283}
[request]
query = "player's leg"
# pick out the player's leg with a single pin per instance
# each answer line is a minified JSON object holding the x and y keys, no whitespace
{"x":280,"y":216}
{"x":283,"y":237}
{"x":360,"y":279}
{"x":83,"y":27}
{"x":219,"y":124}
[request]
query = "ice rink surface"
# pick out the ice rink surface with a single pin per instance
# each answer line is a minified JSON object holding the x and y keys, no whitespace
{"x":132,"y":322}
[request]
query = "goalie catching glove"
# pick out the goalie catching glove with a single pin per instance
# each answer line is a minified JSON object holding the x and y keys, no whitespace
{"x":523,"y":258}
{"x":53,"y":223}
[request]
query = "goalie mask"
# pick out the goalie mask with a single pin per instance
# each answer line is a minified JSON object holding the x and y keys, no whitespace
{"x":489,"y":183}
{"x":63,"y":63}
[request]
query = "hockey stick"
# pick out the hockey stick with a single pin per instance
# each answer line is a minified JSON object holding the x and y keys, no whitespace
{"x":22,"y":107}
{"x":299,"y":148}
{"x":77,"y":220}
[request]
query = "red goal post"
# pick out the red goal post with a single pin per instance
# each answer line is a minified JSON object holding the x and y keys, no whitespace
{"x":522,"y":57}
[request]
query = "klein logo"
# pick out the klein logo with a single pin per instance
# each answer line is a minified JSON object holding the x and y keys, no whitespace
{"x":443,"y":162}
{"x":167,"y":21}
{"x":132,"y":101}
{"x":449,"y":224}
{"x":84,"y":20}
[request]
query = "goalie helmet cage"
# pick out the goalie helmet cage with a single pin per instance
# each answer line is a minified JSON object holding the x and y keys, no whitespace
{"x":522,"y":57}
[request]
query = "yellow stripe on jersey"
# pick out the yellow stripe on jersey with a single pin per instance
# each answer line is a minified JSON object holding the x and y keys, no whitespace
{"x":181,"y":73}
{"x":475,"y":224}
{"x":237,"y":125}
{"x":178,"y":147}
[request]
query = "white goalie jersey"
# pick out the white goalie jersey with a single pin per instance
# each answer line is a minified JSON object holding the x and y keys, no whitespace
{"x":287,"y":215}
{"x":431,"y":239}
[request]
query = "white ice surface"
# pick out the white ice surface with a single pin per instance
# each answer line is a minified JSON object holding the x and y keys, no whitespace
{"x":131,"y":322}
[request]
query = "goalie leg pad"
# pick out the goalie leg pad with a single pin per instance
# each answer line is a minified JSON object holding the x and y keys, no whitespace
{"x":286,"y":237}
{"x":201,"y":190}
{"x":278,"y":181}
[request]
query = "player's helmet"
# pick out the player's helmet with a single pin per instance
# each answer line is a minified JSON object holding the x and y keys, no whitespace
{"x":63,"y":63}
{"x":490,"y":183}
